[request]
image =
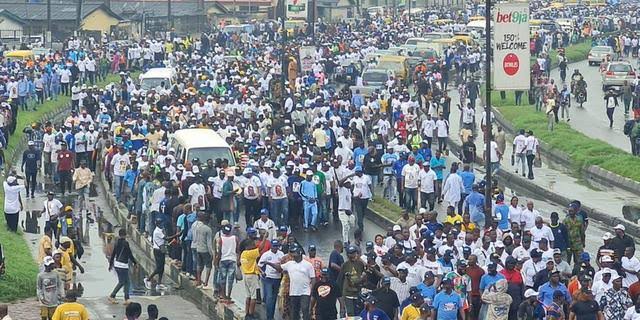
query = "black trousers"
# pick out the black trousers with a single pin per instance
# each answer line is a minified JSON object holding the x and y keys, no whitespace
{"x":530,"y":159}
{"x":65,"y":181}
{"x":30,"y":179}
{"x":12,"y":221}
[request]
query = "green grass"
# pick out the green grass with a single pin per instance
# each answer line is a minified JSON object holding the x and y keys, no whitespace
{"x":582,"y":150}
{"x":386,"y":208}
{"x":19,"y":282}
{"x":576,"y":52}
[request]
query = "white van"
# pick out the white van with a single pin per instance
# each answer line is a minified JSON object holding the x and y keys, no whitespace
{"x":154,"y":77}
{"x":203,"y":144}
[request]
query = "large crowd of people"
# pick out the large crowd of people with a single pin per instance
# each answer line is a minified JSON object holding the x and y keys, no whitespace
{"x":307,"y":153}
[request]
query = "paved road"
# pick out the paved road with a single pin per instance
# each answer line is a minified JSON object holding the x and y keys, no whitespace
{"x":98,"y":282}
{"x":592,"y":119}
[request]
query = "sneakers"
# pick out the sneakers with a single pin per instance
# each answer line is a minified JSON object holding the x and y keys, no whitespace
{"x":206,"y":287}
{"x":113,"y":300}
{"x":147,"y":283}
{"x":160,"y":287}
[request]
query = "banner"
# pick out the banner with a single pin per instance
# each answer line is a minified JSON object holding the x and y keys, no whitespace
{"x":511,"y":46}
{"x":307,"y":58}
{"x":297,"y":9}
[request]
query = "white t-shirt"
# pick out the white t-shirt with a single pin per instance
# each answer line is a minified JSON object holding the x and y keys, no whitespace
{"x":344,"y":199}
{"x":197,"y":193}
{"x":277,"y":187}
{"x":630,"y":264}
{"x":300,"y":275}
{"x":442,"y":128}
{"x":520,"y":144}
{"x":361,"y":186}
{"x":269,"y":256}
{"x":12,"y":198}
{"x":158,"y":237}
{"x":427,"y":181}
{"x":529,"y":218}
{"x":252,"y":188}
{"x":51,"y":209}
{"x":532,"y":143}
{"x":494,"y":152}
{"x":120,"y":163}
{"x":542,"y":233}
{"x":411,"y":174}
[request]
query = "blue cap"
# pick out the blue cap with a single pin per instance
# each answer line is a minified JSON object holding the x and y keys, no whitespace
{"x":386,"y":280}
{"x":585,"y":256}
{"x":282,"y":228}
{"x":369,"y":244}
{"x":275,"y":243}
{"x":352,"y":249}
{"x":358,"y":169}
{"x":264,"y":211}
{"x":251,"y":230}
{"x":312,"y":247}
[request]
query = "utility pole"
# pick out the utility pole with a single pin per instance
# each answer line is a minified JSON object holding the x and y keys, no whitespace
{"x":488,"y":192}
{"x":169,"y":17}
{"x":49,"y":19}
{"x":283,"y":41}
{"x":78,"y":14}
{"x":202,"y":16}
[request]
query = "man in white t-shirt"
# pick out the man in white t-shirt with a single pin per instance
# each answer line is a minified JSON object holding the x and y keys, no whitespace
{"x":541,"y":231}
{"x":51,"y":211}
{"x":528,"y":217}
{"x":519,"y":151}
{"x":427,"y":180}
{"x":361,"y":195}
{"x":12,"y":202}
{"x":496,"y":156}
{"x":631,"y":266}
{"x":302,"y":278}
{"x":120,"y":162}
{"x":410,"y":182}
{"x":197,"y":194}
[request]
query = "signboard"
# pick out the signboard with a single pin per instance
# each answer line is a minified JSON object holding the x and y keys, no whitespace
{"x":511,"y":46}
{"x":297,"y":9}
{"x":307,"y":58}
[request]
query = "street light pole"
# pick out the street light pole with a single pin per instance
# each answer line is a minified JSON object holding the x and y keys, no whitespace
{"x":488,"y":192}
{"x":283,"y":17}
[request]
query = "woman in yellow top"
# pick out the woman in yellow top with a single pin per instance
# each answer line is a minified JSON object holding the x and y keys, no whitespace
{"x":467,"y":225}
{"x":250,"y":270}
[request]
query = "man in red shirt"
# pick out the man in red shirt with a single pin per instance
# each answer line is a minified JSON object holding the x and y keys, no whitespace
{"x":475,"y":272}
{"x":65,"y":167}
{"x":516,"y":284}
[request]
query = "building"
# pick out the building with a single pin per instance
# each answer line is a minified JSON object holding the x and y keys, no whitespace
{"x":11,"y":26}
{"x":31,"y":18}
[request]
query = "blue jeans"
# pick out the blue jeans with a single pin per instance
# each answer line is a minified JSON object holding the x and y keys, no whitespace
{"x":226,"y":276}
{"x":310,"y":213}
{"x":270,"y":288}
{"x":325,"y":206}
{"x":280,"y":211}
{"x":410,"y":198}
{"x":187,"y":265}
{"x":117,"y":186}
{"x":123,"y":281}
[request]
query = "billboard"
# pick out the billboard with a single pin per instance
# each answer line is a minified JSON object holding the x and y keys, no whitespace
{"x":297,"y":9}
{"x":511,"y":46}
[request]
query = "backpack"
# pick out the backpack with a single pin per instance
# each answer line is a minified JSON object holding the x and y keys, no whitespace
{"x":628,"y":127}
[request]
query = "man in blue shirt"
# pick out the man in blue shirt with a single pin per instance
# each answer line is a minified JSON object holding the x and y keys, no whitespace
{"x":438,"y":165}
{"x":388,"y":159}
{"x":359,"y":153}
{"x":371,"y":312}
{"x":427,"y":288}
{"x":545,"y":292}
{"x":447,"y":304}
{"x":468,"y":178}
{"x":309,"y":194}
{"x":474,"y":204}
{"x":491,"y":277}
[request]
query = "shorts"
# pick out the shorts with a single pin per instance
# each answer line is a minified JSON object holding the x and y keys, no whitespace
{"x":204,"y":260}
{"x":251,"y":283}
{"x":47,"y":312}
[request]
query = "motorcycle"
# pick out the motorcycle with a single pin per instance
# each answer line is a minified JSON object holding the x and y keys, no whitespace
{"x":581,"y":96}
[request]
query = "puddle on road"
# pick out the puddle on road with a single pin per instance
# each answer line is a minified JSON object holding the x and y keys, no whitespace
{"x":109,"y":235}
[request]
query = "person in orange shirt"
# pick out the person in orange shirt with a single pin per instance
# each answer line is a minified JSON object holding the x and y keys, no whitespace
{"x":577,"y":282}
{"x":315,"y":261}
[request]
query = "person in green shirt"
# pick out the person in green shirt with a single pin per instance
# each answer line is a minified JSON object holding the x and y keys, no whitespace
{"x":321,"y":183}
{"x":575,"y":229}
{"x":351,"y":279}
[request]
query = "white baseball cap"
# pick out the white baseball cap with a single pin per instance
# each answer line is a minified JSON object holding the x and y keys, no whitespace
{"x":530,"y":293}
{"x":619,"y":226}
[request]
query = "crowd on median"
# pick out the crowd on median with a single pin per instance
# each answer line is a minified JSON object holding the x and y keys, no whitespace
{"x":315,"y":155}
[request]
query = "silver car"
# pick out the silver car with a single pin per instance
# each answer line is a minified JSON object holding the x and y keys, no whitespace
{"x":616,"y":73}
{"x":598,"y":53}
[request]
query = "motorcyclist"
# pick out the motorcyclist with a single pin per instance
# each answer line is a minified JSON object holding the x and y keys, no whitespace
{"x":574,"y":78}
{"x":581,"y":87}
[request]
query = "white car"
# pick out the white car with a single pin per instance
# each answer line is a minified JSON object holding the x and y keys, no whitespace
{"x":616,"y":73}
